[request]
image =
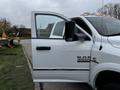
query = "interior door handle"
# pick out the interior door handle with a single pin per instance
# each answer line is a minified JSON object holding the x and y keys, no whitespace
{"x":43,"y":48}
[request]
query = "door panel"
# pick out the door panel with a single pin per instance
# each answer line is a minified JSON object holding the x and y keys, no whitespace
{"x":63,"y":55}
{"x":54,"y":58}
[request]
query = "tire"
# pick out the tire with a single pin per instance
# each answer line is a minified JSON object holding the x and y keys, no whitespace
{"x":111,"y":86}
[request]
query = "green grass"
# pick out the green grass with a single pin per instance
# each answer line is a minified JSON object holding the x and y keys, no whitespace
{"x":14,"y":71}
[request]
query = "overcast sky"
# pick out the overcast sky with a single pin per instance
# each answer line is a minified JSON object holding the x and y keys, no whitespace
{"x":19,"y":11}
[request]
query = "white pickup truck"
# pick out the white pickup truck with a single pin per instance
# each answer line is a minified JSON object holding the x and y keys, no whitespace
{"x":78,"y":49}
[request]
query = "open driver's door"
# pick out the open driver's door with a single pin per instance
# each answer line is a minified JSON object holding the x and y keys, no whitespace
{"x":54,"y":59}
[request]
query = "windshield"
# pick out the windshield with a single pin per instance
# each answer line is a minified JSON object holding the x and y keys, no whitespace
{"x":105,"y":26}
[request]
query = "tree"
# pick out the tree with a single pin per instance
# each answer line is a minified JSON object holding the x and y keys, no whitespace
{"x":13,"y":30}
{"x":117,"y":11}
{"x":110,"y":9}
{"x":4,"y":25}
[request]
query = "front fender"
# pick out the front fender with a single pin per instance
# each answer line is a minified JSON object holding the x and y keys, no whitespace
{"x":103,"y":67}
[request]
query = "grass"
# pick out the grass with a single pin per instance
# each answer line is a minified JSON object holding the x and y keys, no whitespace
{"x":14,"y":71}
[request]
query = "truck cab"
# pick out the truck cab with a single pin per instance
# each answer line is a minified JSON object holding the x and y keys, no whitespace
{"x":77,"y":49}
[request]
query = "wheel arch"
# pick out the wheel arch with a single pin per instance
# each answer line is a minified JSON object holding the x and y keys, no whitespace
{"x":108,"y":69}
{"x":106,"y":77}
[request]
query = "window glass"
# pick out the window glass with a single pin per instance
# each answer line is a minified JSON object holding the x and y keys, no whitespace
{"x":46,"y":24}
{"x":106,"y":26}
{"x":82,"y":24}
{"x":78,"y":32}
{"x":59,"y":27}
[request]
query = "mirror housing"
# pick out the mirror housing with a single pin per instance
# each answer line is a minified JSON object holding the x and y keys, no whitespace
{"x":69,"y":31}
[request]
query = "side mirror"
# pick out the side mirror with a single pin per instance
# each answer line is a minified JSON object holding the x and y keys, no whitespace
{"x":69,"y":31}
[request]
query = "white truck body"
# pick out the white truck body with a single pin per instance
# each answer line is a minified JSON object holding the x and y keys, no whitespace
{"x":56,"y":60}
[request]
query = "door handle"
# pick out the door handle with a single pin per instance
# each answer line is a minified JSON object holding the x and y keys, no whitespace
{"x":43,"y":48}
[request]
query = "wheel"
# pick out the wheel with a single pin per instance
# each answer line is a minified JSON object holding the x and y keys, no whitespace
{"x":111,"y":86}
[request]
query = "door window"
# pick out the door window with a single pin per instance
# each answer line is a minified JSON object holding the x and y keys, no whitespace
{"x":83,"y":25}
{"x":48,"y":26}
{"x":59,"y":27}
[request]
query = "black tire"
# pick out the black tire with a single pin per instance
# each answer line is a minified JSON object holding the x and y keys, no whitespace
{"x":111,"y":86}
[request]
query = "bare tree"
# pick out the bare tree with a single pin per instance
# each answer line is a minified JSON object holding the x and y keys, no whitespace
{"x":4,"y":25}
{"x":111,"y":10}
{"x":117,"y":11}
